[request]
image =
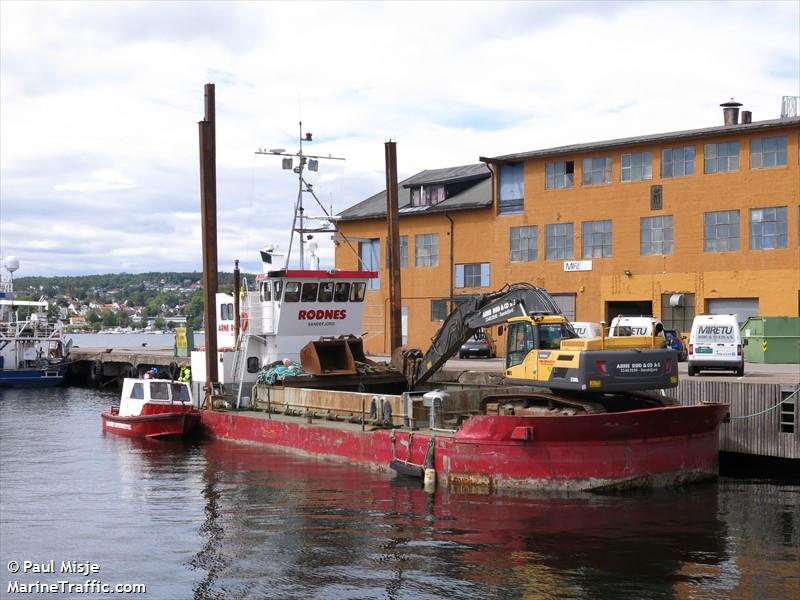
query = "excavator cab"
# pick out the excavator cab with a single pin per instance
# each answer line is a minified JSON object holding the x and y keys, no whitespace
{"x":532,"y":333}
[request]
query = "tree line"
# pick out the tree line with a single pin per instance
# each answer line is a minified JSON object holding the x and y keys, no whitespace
{"x":145,"y":291}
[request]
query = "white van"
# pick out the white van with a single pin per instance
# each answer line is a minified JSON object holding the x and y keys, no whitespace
{"x":635,"y":326}
{"x":587,"y":329}
{"x":715,"y":343}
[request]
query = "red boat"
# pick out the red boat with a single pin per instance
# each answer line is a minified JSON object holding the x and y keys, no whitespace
{"x":644,"y":448}
{"x":153,"y":408}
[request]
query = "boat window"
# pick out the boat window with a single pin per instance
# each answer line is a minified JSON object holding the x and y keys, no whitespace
{"x":326,"y":291}
{"x":137,"y":392}
{"x":341,"y":292}
{"x":265,"y":291}
{"x":292,"y":291}
{"x":358,"y":292}
{"x":226,"y":312}
{"x":180,"y":393}
{"x":309,"y":292}
{"x":278,"y":287}
{"x":252,"y":364}
{"x":159,"y":390}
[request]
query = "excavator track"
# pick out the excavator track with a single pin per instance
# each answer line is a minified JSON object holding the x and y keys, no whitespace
{"x":551,"y":399}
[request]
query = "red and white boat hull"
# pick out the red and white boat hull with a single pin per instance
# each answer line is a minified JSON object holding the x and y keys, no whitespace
{"x":157,"y":422}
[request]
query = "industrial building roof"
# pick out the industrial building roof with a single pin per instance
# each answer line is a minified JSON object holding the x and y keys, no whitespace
{"x":475,"y":196}
{"x":645,"y":139}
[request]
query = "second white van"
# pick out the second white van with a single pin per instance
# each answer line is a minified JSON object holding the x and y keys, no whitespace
{"x":715,"y":343}
{"x":587,"y":329}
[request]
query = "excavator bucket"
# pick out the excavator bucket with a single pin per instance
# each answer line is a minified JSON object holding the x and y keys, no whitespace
{"x":328,"y":356}
{"x":356,"y":345}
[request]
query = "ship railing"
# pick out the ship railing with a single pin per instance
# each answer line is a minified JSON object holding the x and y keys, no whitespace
{"x":28,"y":329}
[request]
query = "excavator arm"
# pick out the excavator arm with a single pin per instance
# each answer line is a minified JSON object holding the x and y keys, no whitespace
{"x":471,"y":314}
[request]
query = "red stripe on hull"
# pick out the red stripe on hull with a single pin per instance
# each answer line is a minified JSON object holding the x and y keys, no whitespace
{"x":645,"y":448}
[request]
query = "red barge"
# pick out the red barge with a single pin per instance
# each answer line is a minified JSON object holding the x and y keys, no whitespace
{"x":552,"y":436}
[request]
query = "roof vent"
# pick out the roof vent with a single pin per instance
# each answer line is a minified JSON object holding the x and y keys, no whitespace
{"x":730,"y":111}
{"x":747,"y":117}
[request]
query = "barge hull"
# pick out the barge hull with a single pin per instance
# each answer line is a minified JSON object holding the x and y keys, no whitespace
{"x":637,"y":449}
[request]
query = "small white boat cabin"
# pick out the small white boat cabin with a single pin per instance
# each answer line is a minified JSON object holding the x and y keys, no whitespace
{"x":136,"y":393}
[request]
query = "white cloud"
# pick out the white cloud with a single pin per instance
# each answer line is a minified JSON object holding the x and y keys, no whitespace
{"x":99,"y":104}
{"x":100,"y":180}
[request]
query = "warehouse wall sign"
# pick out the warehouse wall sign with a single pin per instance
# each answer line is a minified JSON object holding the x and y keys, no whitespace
{"x":577,"y":265}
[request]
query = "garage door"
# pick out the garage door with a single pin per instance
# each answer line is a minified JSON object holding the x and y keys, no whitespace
{"x":743,"y":308}
{"x":567,"y":304}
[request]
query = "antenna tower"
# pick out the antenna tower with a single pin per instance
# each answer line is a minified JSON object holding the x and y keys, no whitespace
{"x":310,"y":162}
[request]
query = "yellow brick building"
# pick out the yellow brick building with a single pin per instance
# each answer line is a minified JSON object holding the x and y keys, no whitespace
{"x":672,"y":225}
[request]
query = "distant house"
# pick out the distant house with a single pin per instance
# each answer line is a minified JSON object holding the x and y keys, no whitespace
{"x":77,"y":320}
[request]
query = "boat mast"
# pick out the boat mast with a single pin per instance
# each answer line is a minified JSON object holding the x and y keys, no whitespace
{"x":298,"y":222}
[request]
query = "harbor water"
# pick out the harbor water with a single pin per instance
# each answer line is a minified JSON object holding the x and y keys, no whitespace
{"x":211,"y":519}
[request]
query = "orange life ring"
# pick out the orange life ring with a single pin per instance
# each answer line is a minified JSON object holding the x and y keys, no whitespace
{"x":244,"y":320}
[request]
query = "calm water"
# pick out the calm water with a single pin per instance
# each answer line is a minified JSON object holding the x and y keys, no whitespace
{"x":219,"y":520}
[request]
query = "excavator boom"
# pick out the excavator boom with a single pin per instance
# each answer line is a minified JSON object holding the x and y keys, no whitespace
{"x":483,"y":310}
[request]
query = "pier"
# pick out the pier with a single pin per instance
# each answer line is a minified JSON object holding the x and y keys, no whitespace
{"x":102,"y":367}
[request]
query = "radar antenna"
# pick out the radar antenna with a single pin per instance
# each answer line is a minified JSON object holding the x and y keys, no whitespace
{"x":310,"y":162}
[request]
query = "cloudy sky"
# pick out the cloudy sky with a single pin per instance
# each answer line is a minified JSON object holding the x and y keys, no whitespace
{"x":99,"y":104}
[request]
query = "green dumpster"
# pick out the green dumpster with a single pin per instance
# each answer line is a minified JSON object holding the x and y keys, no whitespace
{"x":772,"y":340}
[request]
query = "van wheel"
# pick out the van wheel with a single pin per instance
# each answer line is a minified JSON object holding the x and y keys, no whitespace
{"x":692,"y":371}
{"x":740,"y":372}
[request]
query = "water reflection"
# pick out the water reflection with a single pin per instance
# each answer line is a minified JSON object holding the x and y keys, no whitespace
{"x":218,"y":520}
{"x":291,"y":527}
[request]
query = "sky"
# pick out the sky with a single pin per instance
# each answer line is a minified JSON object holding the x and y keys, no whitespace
{"x":99,"y":105}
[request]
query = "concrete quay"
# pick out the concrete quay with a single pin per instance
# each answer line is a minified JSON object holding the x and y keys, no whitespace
{"x":105,"y":366}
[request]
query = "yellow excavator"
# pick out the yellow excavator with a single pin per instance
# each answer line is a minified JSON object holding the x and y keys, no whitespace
{"x":543,"y":350}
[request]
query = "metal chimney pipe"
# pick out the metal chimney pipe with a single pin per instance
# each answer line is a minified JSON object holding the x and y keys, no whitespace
{"x":747,"y":117}
{"x":730,"y":112}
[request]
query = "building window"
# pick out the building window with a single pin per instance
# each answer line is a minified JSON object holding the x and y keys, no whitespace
{"x":721,"y":231}
{"x":637,"y":166}
{"x":677,"y":311}
{"x":473,"y":275}
{"x":656,"y":235}
{"x":721,"y":158}
{"x":403,"y":252}
{"x":677,"y":162}
{"x":559,"y":241}
{"x":768,"y":152}
{"x":596,"y":239}
{"x":439,"y":310}
{"x":370,"y":254}
{"x":427,"y":195}
{"x":426,"y":250}
{"x":596,"y":170}
{"x":512,"y":189}
{"x":768,"y":228}
{"x":560,"y":174}
{"x":523,"y":244}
